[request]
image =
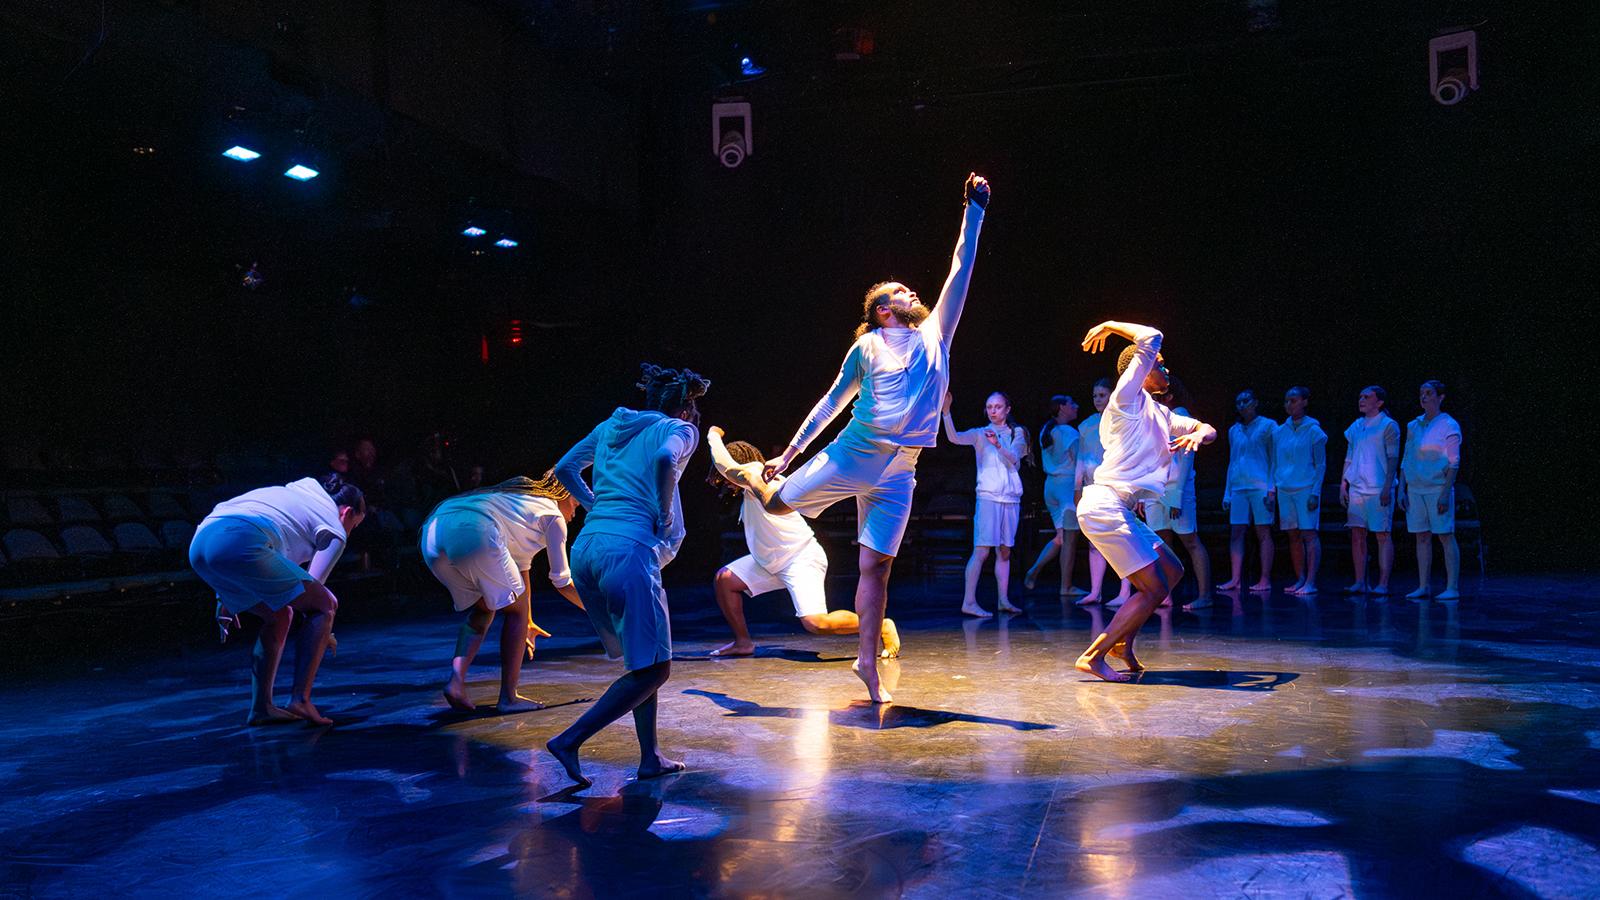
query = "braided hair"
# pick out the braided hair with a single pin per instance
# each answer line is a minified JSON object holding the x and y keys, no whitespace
{"x":742,"y":453}
{"x":672,"y":391}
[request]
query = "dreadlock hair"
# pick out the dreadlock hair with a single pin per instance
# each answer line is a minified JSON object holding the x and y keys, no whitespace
{"x":742,"y":453}
{"x":1050,"y":424}
{"x":672,"y":391}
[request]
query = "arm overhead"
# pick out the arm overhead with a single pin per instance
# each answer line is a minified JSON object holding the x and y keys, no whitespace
{"x":569,"y":471}
{"x":953,"y":296}
{"x":1146,"y":340}
{"x":745,"y":475}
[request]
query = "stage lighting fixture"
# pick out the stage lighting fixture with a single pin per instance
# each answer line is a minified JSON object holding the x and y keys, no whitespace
{"x":473,"y":231}
{"x":301,"y":173}
{"x":1453,"y":67}
{"x":749,"y":69}
{"x":731,"y":138}
{"x":507,"y":243}
{"x":242,"y":154}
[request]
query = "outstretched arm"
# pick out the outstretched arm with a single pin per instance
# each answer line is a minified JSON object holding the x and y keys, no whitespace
{"x":569,"y":471}
{"x":827,"y":409}
{"x":970,"y":438}
{"x":953,"y":296}
{"x":1189,"y":434}
{"x":1130,"y":386}
{"x":745,"y":475}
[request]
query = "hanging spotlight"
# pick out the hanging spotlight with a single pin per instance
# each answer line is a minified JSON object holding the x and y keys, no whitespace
{"x":302,"y":173}
{"x":473,"y":231}
{"x":507,"y":243}
{"x":749,"y":69}
{"x":242,"y":154}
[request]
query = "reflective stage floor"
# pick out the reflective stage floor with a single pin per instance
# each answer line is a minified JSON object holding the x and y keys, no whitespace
{"x":1277,"y":747}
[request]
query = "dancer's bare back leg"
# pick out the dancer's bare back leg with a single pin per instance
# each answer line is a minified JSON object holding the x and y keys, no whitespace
{"x":1151,"y":584}
{"x":872,"y":597}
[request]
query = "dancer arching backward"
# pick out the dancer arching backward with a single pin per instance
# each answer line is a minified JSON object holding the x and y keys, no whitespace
{"x":1428,"y":489}
{"x":1300,"y":449}
{"x":1140,"y":437}
{"x":1371,"y":456}
{"x":1247,"y":495}
{"x":634,"y":527}
{"x":250,"y":551}
{"x":900,"y":366}
{"x":1090,"y":453}
{"x":1173,"y":517}
{"x":1000,"y":447}
{"x":480,"y":546}
{"x":1058,"y":448}
{"x":784,"y":554}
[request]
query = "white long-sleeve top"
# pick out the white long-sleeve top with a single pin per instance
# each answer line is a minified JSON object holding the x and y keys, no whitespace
{"x":1432,"y":450}
{"x":1180,"y":475}
{"x":899,"y":375}
{"x":773,"y":540}
{"x":1250,"y":457}
{"x":1136,"y":430}
{"x":301,"y":515}
{"x":528,"y":524}
{"x":998,"y":479}
{"x":1090,"y":450}
{"x":1370,"y":443}
{"x":1300,"y":456}
{"x":627,"y":498}
{"x":1059,"y":454}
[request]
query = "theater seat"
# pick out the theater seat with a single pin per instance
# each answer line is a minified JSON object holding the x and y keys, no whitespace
{"x":163,"y":507}
{"x":28,"y":512}
{"x":74,"y":508}
{"x":135,"y":538}
{"x":176,"y":534}
{"x":118,"y":508}
{"x":26,"y":546}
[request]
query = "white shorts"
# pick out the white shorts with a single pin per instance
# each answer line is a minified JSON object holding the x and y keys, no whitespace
{"x":995,"y":523}
{"x":467,"y":553}
{"x":240,"y":558}
{"x":1366,"y":512}
{"x":1059,"y":500}
{"x":1249,"y":506}
{"x":881,"y":477}
{"x":1158,"y":516}
{"x":1422,"y":512}
{"x":805,"y":578}
{"x":1111,"y":527}
{"x":1293,"y":514}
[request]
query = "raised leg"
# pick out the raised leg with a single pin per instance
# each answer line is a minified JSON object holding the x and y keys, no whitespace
{"x":1046,"y":556}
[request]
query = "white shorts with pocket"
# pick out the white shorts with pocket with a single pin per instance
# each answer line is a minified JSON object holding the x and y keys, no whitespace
{"x":995,"y":523}
{"x":805,"y":577}
{"x":1111,"y":527}
{"x":1249,"y":506}
{"x":1293,"y":514}
{"x":1366,"y":512}
{"x":1158,"y":516}
{"x":1059,"y":501}
{"x":1422,"y":512}
{"x":467,"y":553}
{"x":881,"y":477}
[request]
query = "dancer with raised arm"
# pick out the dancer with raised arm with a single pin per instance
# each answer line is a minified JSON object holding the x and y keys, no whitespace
{"x":1371,"y":456}
{"x":1090,"y":453}
{"x":480,"y":546}
{"x":1000,"y":447}
{"x":899,"y":370}
{"x":1428,"y":489}
{"x":251,"y":550}
{"x":784,"y":554}
{"x":1058,"y":450}
{"x":633,"y":529}
{"x":1300,"y":449}
{"x":1247,"y":494}
{"x":1140,"y":436}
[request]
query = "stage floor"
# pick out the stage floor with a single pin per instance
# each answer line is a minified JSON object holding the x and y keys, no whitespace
{"x":1277,"y":747}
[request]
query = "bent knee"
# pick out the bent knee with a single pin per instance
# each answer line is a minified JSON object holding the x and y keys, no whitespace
{"x":726,"y":579}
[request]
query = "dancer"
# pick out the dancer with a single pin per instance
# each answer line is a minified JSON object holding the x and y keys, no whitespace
{"x":784,"y":554}
{"x":1140,"y":437}
{"x":1173,"y":515}
{"x":1371,"y":456}
{"x":480,"y":546}
{"x":634,"y":528}
{"x":1300,"y":462}
{"x":1247,"y":494}
{"x":1090,"y":453}
{"x":1427,"y":489}
{"x":900,"y":367}
{"x":1058,"y":448}
{"x":1000,"y":447}
{"x":250,"y":550}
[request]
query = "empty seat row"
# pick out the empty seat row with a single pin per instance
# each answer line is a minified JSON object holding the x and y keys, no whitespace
{"x":34,"y":511}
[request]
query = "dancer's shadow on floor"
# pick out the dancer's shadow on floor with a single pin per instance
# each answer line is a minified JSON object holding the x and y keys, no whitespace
{"x":783,"y":653}
{"x":1216,"y":680}
{"x":861,"y":714}
{"x":448,"y":716}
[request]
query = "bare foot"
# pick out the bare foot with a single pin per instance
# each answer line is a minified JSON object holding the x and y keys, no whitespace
{"x":1090,"y":600}
{"x":1261,"y":586}
{"x":1449,"y":594}
{"x":1308,"y":590}
{"x":1165,"y":604}
{"x":869,"y":677}
{"x":1098,"y":668}
{"x":734,"y":648}
{"x":333,"y":646}
{"x":272,"y":715}
{"x":568,"y":757}
{"x":1030,"y":581}
{"x":1231,"y":585}
{"x":1357,"y":588}
{"x":1006,"y":607}
{"x":1418,"y":594}
{"x":1116,"y":602}
{"x":659,"y":767}
{"x":1199,"y":603}
{"x":1380,"y":589}
{"x":1125,"y":653}
{"x":518,"y":704}
{"x":976,"y":610}
{"x":1074,"y":591}
{"x":891,"y":640}
{"x":305,"y":709}
{"x":455,"y":694}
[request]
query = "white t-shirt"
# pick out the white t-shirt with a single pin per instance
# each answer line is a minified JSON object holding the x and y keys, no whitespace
{"x":773,"y":540}
{"x":625,"y":501}
{"x":1250,"y":457}
{"x":1300,"y":456}
{"x":1432,"y":449}
{"x":1136,"y":430}
{"x":997,"y":477}
{"x":528,"y":525}
{"x":1059,"y":457}
{"x":301,"y":514}
{"x":1370,"y":443}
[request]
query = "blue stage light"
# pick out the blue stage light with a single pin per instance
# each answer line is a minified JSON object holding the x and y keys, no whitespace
{"x":507,"y":243}
{"x":242,"y":154}
{"x":749,"y":69}
{"x":302,"y":173}
{"x":474,"y":231}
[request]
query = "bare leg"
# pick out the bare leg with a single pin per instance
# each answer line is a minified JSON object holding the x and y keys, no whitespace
{"x":1385,"y":561}
{"x":1153,"y":582}
{"x":1297,"y":558}
{"x":1201,"y":560}
{"x":514,"y":627}
{"x":652,"y":764}
{"x":264,"y":666}
{"x":468,"y":639}
{"x":969,"y":601}
{"x":1123,"y":594}
{"x":319,"y":607}
{"x":837,"y":621}
{"x":1097,"y":576}
{"x":1452,"y":567}
{"x":1424,"y":565}
{"x":1313,"y":560}
{"x":1049,"y":553}
{"x":1002,"y":578}
{"x":1069,"y":559}
{"x":872,"y":597}
{"x":1358,"y":559}
{"x":624,"y":696}
{"x":729,"y":589}
{"x":1268,"y":551}
{"x":1236,"y":557}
